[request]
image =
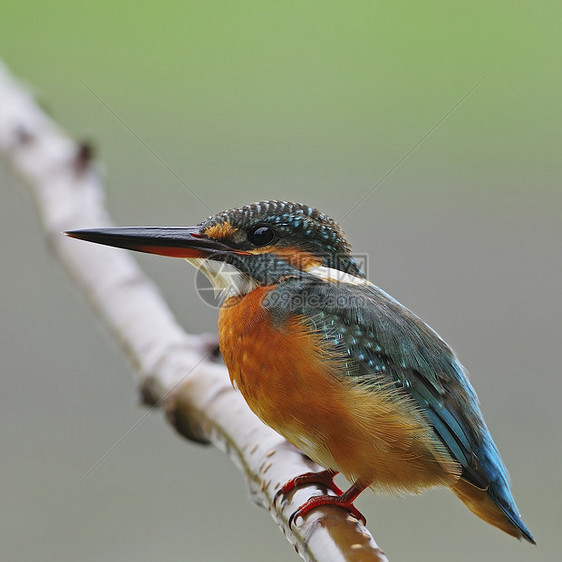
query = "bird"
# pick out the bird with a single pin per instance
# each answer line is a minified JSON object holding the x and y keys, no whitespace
{"x":333,"y":363}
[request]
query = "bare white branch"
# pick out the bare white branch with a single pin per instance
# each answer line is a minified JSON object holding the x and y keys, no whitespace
{"x":175,"y":370}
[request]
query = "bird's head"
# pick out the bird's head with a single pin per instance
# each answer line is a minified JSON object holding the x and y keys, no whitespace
{"x":242,"y":248}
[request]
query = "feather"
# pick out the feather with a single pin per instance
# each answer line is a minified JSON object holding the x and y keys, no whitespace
{"x":381,"y":342}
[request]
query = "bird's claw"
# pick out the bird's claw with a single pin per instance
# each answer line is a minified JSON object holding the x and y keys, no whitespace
{"x":317,"y":501}
{"x":323,"y":478}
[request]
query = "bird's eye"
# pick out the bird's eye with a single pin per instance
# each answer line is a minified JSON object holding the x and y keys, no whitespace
{"x":261,"y":236}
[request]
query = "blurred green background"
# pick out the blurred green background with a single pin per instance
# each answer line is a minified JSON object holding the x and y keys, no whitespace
{"x":307,"y":101}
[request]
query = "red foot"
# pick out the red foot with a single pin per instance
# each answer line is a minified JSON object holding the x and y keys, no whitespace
{"x":323,"y":478}
{"x":345,"y":501}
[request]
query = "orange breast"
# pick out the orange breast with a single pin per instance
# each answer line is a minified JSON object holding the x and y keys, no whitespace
{"x":373,"y":437}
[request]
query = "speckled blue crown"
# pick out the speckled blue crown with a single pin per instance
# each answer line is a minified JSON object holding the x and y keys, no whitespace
{"x":296,"y":224}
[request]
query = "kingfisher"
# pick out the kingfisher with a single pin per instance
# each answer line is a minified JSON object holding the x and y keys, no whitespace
{"x":338,"y":367}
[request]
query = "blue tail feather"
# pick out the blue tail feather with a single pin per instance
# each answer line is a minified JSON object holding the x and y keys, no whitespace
{"x":499,"y":489}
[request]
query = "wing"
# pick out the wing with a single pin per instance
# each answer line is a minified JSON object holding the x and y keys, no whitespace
{"x":383,"y":342}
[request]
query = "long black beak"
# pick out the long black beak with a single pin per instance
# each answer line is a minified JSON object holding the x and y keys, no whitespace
{"x":177,"y":242}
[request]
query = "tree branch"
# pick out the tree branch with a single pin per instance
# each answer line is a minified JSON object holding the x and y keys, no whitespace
{"x":175,"y":370}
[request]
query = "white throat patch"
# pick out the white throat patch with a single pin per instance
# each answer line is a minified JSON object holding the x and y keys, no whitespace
{"x":227,"y":280}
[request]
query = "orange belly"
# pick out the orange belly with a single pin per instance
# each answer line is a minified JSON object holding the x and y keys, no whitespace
{"x":374,"y":437}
